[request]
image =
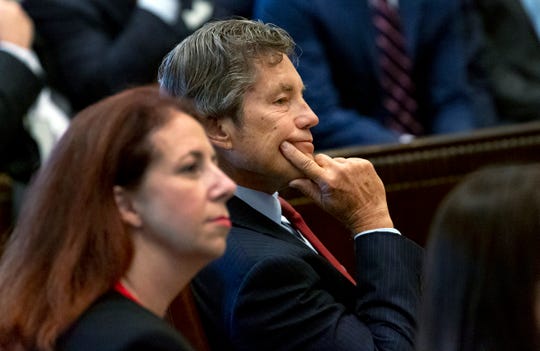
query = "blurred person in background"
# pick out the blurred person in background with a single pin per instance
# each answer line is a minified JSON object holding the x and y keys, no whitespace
{"x":94,"y":48}
{"x":32,"y":116}
{"x":511,"y":55}
{"x":482,"y":269}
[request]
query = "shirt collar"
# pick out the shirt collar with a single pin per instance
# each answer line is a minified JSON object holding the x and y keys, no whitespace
{"x":263,"y":202}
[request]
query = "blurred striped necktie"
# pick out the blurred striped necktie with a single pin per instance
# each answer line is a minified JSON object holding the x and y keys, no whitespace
{"x":396,"y":82}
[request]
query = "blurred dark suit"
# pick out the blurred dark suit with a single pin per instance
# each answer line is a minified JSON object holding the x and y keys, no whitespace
{"x":19,"y":89}
{"x":93,"y":48}
{"x":511,"y":58}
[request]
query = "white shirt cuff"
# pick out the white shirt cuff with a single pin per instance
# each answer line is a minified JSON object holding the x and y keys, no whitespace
{"x":406,"y":138}
{"x":387,"y":230}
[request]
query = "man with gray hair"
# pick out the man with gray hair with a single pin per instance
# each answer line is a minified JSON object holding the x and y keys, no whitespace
{"x":277,"y":287}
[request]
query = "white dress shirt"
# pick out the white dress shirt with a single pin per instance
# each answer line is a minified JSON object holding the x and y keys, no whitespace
{"x":45,"y":121}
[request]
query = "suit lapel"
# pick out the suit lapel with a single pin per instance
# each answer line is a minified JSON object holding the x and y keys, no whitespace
{"x":365,"y":26}
{"x":245,"y":216}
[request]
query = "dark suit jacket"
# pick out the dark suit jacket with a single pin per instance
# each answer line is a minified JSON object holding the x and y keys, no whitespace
{"x":233,"y":8}
{"x":271,"y":292}
{"x":115,"y":323}
{"x":512,"y":59}
{"x":19,"y":88}
{"x":93,"y":48}
{"x":339,"y":66}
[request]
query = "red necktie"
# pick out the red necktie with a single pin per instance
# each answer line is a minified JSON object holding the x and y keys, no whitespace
{"x":296,"y":219}
{"x":396,"y":66}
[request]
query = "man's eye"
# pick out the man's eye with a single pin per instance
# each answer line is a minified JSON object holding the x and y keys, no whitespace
{"x":280,"y":101}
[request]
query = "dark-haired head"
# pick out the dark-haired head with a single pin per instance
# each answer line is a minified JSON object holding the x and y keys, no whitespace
{"x":482,"y":273}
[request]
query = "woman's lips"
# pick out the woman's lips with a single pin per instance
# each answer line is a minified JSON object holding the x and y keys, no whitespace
{"x":224,"y":221}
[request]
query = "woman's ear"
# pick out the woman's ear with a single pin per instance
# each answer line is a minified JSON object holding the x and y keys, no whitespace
{"x":126,"y":208}
{"x":218,"y":131}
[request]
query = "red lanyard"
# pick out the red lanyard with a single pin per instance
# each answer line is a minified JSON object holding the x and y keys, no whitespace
{"x":122,"y":290}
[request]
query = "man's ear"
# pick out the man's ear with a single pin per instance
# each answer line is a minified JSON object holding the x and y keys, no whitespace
{"x":219,"y":131}
{"x":126,"y":208}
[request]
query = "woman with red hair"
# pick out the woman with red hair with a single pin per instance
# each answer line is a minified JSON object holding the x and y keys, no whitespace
{"x":128,"y":208}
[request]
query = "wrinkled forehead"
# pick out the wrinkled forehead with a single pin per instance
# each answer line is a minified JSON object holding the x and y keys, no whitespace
{"x":269,"y":57}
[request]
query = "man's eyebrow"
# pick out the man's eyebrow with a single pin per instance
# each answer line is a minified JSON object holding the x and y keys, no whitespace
{"x":280,"y":88}
{"x":289,"y":87}
{"x":286,"y":87}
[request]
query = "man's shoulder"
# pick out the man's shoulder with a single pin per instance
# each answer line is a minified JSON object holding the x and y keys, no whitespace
{"x":250,"y":245}
{"x":248,"y":250}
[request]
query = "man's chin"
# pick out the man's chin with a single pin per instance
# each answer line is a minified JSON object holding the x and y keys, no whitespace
{"x":306,"y":148}
{"x":293,"y":174}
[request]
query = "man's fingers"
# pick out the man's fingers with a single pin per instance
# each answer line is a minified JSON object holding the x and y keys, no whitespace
{"x":306,"y":187}
{"x":323,"y":160}
{"x":304,"y":163}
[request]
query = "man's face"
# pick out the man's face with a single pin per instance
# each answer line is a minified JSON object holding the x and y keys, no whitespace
{"x":274,"y":111}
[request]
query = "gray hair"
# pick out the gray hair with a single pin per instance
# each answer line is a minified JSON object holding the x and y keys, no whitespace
{"x":215,"y":65}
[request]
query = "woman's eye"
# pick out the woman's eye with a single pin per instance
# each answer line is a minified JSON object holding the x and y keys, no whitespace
{"x":190,"y":168}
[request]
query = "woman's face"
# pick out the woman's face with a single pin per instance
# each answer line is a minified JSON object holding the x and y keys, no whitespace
{"x":180,"y":202}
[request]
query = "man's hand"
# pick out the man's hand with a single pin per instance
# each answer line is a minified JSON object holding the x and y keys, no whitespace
{"x":347,"y":188}
{"x":15,"y":25}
